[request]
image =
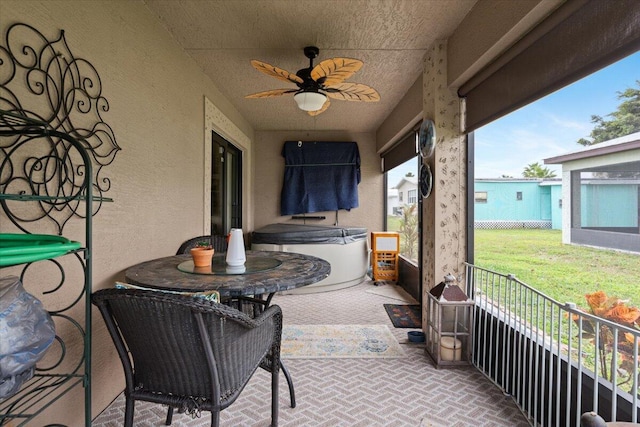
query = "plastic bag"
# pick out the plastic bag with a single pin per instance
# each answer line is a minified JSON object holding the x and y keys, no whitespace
{"x":26,"y":332}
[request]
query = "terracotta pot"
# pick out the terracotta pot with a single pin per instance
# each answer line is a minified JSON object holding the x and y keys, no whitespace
{"x":202,"y":256}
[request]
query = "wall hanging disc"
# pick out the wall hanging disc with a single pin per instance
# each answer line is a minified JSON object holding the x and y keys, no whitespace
{"x":426,"y":180}
{"x":426,"y":138}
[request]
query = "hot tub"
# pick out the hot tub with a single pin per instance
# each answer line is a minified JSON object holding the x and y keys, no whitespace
{"x":345,"y":248}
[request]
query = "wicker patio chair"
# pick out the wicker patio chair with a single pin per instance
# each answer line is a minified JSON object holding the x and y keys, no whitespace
{"x":188,"y":353}
{"x":219,"y":243}
{"x":248,"y":305}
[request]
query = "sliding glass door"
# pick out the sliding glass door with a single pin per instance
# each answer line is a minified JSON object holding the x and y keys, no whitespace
{"x":226,"y":186}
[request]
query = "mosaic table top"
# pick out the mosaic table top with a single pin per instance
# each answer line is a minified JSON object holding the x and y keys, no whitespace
{"x":295,"y":270}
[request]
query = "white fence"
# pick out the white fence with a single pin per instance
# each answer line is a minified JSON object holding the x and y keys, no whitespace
{"x":511,"y":224}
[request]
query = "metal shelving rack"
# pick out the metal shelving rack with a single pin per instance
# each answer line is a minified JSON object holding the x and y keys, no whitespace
{"x":57,"y":178}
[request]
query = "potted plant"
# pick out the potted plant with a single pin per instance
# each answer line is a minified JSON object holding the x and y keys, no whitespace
{"x":202,"y":254}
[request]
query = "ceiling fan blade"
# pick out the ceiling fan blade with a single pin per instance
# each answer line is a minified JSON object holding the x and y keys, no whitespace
{"x":323,"y":109}
{"x":335,"y":70}
{"x":271,"y":93}
{"x":276,"y":72}
{"x":353,"y":92}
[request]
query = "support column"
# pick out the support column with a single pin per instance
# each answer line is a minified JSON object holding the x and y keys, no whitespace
{"x":444,"y":212}
{"x":572,"y":209}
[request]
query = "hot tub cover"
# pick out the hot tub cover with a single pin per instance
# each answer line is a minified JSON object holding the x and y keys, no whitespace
{"x":290,"y":234}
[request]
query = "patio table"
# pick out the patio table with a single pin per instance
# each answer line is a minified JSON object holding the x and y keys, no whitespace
{"x":261,"y":277}
{"x":265,"y":273}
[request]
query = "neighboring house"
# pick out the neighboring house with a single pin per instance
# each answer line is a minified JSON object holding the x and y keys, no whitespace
{"x":517,"y":203}
{"x":609,"y":196}
{"x":601,"y":193}
{"x":407,"y":190}
{"x":500,"y":202}
{"x":392,"y":202}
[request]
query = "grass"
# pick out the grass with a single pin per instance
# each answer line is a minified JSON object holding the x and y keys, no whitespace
{"x":393,"y":223}
{"x":563,"y":272}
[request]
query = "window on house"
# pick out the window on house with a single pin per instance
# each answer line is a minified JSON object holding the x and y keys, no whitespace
{"x":518,"y":195}
{"x":412,"y":197}
{"x":481,"y":197}
{"x":400,"y":196}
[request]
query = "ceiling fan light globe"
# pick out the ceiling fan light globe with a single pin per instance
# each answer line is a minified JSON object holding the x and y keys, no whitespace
{"x":310,"y":101}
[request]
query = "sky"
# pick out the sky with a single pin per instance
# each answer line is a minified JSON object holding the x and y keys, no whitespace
{"x":551,"y":126}
{"x":546,"y":128}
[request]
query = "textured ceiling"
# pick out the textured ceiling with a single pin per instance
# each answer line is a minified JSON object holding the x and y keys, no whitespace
{"x":390,"y":37}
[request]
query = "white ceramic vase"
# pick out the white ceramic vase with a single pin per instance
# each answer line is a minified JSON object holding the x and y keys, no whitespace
{"x":235,"y":252}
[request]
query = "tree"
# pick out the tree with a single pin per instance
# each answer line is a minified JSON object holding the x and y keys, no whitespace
{"x":625,"y":120}
{"x":534,"y":170}
{"x":409,"y":175}
{"x":409,"y":231}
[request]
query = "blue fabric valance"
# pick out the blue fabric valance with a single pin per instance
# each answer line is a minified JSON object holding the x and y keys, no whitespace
{"x":319,"y":177}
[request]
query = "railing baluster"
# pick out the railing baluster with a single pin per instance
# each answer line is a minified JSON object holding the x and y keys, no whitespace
{"x":508,"y":344}
{"x":551,"y":366}
{"x":512,"y":354}
{"x":579,"y":387}
{"x":518,"y":341}
{"x":568,"y":393}
{"x":614,"y":375}
{"x":493,"y":366}
{"x":635,"y":390}
{"x":558,"y":365}
{"x":536,"y":364}
{"x":503,"y":359}
{"x":544,"y":359}
{"x":530,"y":353}
{"x":596,"y":363}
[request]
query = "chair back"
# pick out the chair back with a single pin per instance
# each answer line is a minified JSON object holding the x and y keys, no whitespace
{"x":184,"y":346}
{"x":218,"y":243}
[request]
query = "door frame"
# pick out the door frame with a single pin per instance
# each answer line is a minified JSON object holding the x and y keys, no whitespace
{"x":218,"y":122}
{"x":234,"y":219}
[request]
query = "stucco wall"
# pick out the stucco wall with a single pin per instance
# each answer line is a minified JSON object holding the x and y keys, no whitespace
{"x":156,"y":96}
{"x":269,"y":174}
{"x":444,"y":211}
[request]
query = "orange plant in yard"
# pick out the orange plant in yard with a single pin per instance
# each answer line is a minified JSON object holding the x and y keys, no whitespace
{"x":614,"y":310}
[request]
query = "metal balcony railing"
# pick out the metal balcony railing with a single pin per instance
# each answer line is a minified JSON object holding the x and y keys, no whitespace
{"x":555,"y":360}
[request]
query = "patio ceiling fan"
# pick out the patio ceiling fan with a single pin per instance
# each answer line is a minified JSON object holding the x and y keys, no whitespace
{"x":316,"y":84}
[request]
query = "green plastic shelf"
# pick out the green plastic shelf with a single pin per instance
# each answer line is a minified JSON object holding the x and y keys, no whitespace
{"x":24,"y":248}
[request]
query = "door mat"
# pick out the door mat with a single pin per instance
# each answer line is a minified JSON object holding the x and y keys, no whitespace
{"x":339,"y":341}
{"x":404,"y":316}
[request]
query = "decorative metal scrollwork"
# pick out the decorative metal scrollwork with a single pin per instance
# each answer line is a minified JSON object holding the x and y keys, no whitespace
{"x":42,"y":80}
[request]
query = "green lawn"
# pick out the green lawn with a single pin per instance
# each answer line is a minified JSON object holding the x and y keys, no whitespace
{"x":563,"y":272}
{"x":393,"y":223}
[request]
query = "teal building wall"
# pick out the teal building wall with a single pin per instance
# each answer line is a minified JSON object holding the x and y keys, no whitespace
{"x":556,"y":207}
{"x":540,"y":201}
{"x":602,"y":205}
